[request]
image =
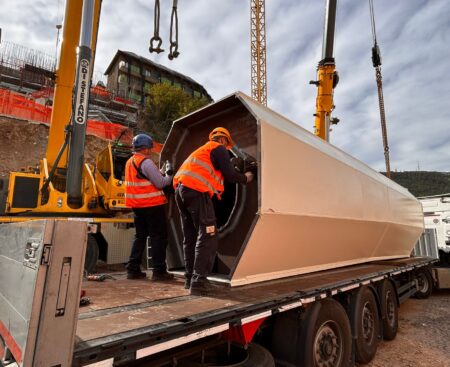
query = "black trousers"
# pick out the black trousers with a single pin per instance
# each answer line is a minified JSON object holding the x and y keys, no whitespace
{"x":149,"y":222}
{"x":199,"y":231}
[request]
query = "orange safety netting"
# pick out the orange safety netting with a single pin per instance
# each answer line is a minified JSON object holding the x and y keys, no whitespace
{"x":16,"y":105}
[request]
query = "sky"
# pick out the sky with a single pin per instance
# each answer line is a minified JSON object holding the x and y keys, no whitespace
{"x":214,"y":45}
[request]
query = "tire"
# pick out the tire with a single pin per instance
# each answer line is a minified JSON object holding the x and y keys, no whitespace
{"x":365,"y":322}
{"x":91,"y":257}
{"x":425,"y":283}
{"x":389,"y":310}
{"x":325,"y":336}
{"x":254,"y":356}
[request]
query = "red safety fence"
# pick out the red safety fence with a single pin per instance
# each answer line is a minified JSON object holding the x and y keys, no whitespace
{"x":16,"y":105}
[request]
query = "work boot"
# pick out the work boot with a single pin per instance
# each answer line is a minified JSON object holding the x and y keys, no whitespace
{"x":200,"y":287}
{"x":187,"y":282}
{"x":136,"y":275}
{"x":161,"y":276}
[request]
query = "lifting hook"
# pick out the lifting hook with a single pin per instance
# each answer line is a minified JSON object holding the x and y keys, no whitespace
{"x":156,"y":39}
{"x":174,"y":26}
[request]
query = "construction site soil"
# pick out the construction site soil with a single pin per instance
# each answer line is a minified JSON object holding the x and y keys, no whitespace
{"x":23,"y":144}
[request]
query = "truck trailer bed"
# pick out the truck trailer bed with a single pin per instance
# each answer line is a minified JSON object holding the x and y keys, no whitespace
{"x":144,"y":317}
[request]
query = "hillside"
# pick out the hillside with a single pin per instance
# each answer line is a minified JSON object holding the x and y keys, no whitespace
{"x":423,"y":183}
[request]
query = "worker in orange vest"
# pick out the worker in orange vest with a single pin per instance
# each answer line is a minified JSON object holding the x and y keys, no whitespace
{"x":199,"y":178}
{"x":144,"y":194}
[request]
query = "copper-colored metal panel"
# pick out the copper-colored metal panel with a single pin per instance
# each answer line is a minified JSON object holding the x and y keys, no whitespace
{"x":287,"y":245}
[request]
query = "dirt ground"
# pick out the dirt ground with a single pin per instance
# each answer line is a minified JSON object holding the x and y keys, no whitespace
{"x":23,"y":144}
{"x":423,"y":338}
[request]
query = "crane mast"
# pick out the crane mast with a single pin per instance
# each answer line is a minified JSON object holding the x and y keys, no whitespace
{"x":327,"y":77}
{"x":258,"y":50}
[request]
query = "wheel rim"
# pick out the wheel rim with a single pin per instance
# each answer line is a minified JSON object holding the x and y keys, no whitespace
{"x":390,"y":309}
{"x":423,"y":283}
{"x":368,"y":323}
{"x":328,"y":345}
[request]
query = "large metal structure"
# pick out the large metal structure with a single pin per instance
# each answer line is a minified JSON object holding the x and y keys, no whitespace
{"x":312,"y":207}
{"x":258,"y":50}
{"x":327,"y":77}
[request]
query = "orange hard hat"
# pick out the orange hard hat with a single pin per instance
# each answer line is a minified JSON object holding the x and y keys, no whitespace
{"x":221,"y":131}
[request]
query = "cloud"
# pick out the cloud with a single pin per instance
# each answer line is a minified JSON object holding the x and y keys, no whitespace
{"x":215,"y":50}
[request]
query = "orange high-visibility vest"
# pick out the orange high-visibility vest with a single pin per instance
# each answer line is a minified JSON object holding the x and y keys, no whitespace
{"x":198,"y":173}
{"x":140,"y":192}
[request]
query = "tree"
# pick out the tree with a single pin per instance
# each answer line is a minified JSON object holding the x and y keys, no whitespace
{"x":165,"y":104}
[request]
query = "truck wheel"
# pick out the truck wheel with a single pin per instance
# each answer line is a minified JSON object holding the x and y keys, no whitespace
{"x":325,"y":336}
{"x":425,"y":283}
{"x":389,"y":310}
{"x":254,"y":356}
{"x":92,"y":251}
{"x":365,"y":323}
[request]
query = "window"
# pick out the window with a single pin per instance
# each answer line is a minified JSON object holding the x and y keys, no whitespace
{"x":122,"y":79}
{"x":123,"y":64}
{"x":135,"y":69}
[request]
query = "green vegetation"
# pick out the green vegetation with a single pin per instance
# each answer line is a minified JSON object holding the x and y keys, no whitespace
{"x":423,"y":183}
{"x":164,"y":105}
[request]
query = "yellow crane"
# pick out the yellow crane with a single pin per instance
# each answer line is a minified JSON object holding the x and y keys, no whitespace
{"x":64,"y":185}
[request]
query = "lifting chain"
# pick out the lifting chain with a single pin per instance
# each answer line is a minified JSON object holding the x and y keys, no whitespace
{"x":376,"y":60}
{"x":156,"y":39}
{"x":174,"y":27}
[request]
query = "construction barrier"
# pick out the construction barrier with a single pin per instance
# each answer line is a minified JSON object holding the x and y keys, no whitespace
{"x":16,"y":105}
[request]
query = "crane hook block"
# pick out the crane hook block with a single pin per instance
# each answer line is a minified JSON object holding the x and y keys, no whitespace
{"x":158,"y":42}
{"x":376,"y":56}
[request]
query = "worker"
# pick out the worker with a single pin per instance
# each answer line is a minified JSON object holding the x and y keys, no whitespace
{"x":144,"y":194}
{"x":199,"y":178}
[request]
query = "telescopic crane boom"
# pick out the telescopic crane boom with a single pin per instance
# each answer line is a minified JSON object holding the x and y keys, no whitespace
{"x":327,"y":77}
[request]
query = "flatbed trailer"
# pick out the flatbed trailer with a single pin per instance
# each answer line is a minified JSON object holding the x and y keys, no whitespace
{"x":138,"y":322}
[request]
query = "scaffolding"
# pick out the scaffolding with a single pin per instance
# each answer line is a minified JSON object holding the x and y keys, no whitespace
{"x":24,"y":69}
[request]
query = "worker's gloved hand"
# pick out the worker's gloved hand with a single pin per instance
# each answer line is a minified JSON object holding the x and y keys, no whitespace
{"x":167,"y":169}
{"x":249,"y":176}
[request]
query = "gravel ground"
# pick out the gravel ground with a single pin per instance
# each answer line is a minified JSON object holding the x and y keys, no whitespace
{"x":423,"y":338}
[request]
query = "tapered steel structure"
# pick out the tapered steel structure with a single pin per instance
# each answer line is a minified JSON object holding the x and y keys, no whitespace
{"x":312,"y":206}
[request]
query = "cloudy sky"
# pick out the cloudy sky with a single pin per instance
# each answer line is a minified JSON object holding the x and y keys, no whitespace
{"x":414,"y":37}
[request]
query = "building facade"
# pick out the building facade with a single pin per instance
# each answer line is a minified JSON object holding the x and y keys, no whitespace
{"x":131,"y":76}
